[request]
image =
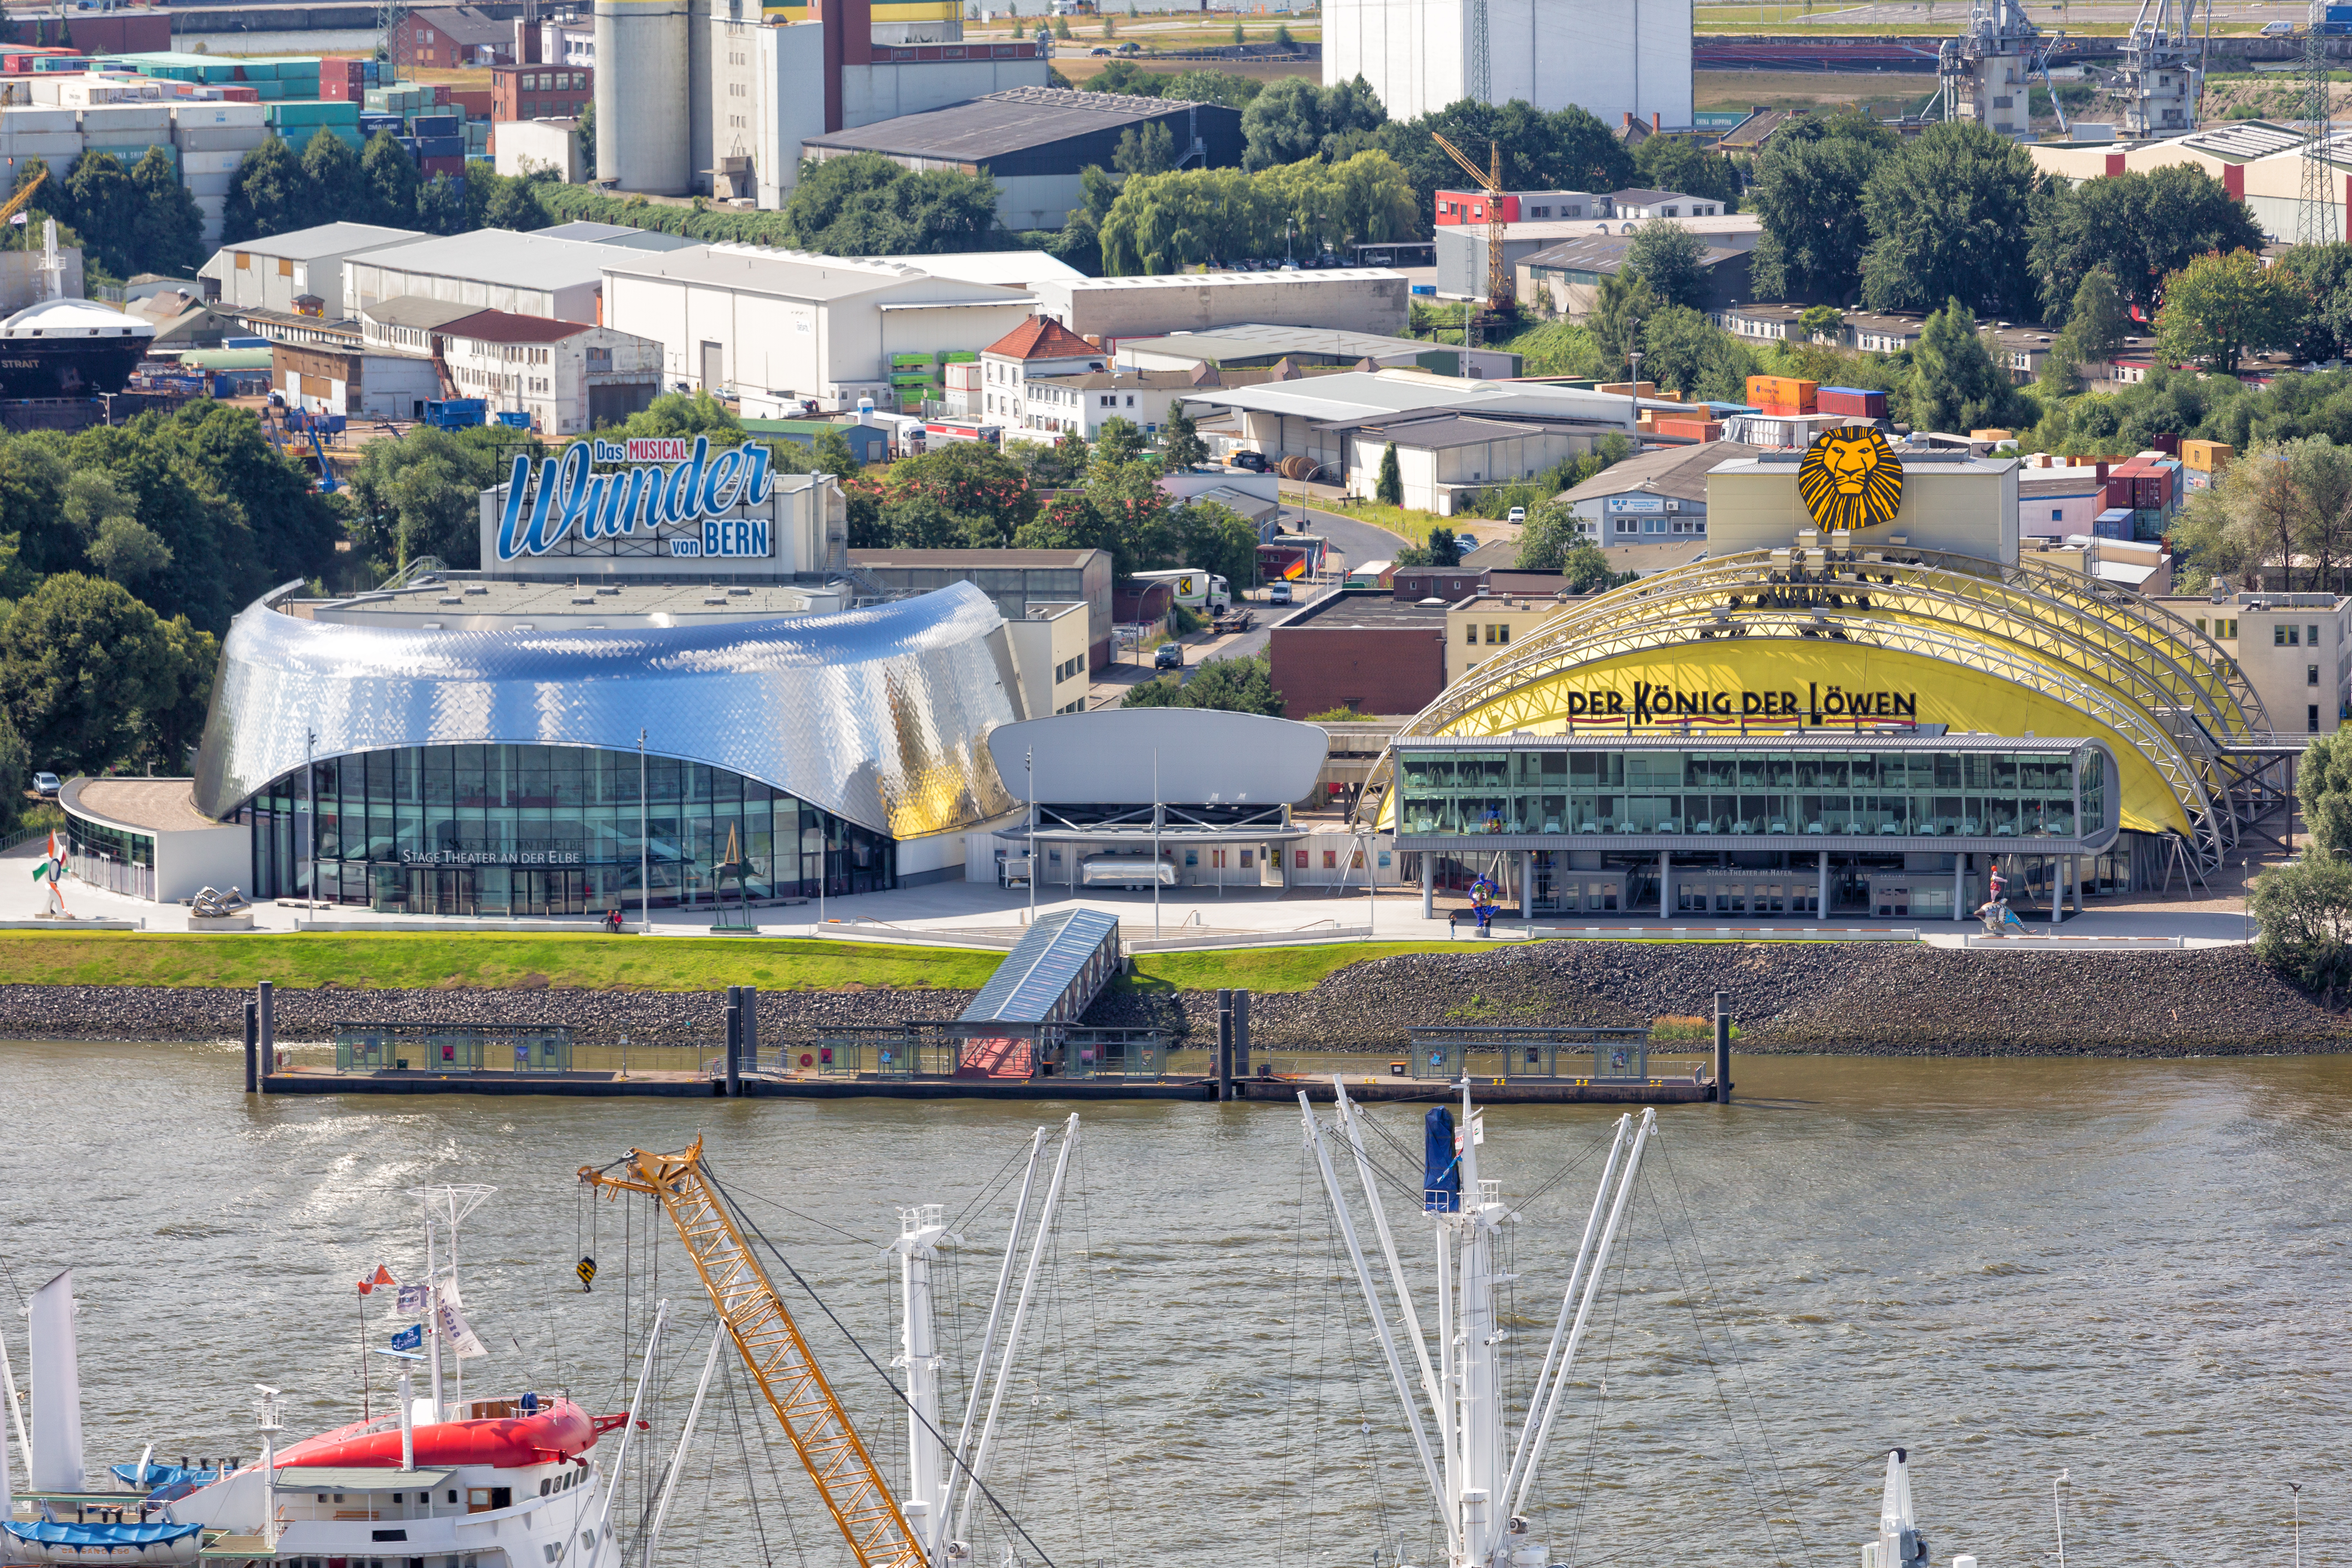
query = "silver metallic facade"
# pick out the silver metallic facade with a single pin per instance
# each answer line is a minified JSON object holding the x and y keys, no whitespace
{"x":878,"y":715}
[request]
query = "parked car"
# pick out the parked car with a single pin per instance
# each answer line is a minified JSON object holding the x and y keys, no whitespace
{"x":1254,"y":461}
{"x":2278,"y":29}
{"x":1130,"y":47}
{"x":1102,"y":51}
{"x":1168,"y":655}
{"x":1279,"y":593}
{"x":1517,"y":514}
{"x":46,"y":784}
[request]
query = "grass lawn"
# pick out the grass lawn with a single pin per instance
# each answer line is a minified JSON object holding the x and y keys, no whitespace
{"x":385,"y":960}
{"x":1409,"y":527}
{"x":1268,"y":968}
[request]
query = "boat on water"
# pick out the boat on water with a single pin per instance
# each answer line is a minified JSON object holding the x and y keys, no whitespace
{"x":59,"y":347}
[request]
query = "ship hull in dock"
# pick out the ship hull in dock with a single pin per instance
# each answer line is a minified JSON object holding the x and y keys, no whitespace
{"x":66,"y":369}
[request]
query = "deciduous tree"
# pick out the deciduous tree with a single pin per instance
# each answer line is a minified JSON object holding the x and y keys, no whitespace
{"x":168,"y":235}
{"x":1946,"y":211}
{"x":339,"y":191}
{"x":267,"y":194}
{"x":87,"y":670}
{"x":1954,"y":385}
{"x":2217,"y":308}
{"x":1671,"y":260}
{"x":1809,"y":194}
{"x":390,"y":176}
{"x":106,"y":210}
{"x":2139,"y":228}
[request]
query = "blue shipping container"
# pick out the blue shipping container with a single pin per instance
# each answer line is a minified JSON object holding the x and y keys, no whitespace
{"x":435,"y":125}
{"x":440,"y":146}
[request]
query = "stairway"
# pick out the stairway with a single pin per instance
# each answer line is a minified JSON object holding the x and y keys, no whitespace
{"x":998,"y":1058}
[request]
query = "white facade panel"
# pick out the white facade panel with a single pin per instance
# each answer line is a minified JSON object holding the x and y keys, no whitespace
{"x":879,"y":92}
{"x":788,"y":59}
{"x":1612,"y":57}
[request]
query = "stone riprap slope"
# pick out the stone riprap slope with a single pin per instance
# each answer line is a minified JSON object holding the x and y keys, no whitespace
{"x":1859,"y":997}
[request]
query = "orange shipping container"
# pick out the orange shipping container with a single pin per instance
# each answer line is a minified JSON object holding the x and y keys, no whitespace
{"x":2207,"y":456}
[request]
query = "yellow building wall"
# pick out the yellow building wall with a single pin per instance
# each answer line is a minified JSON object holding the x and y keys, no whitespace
{"x":1948,"y":694}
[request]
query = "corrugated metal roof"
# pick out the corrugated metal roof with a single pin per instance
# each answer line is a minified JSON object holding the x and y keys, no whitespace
{"x":1040,"y":969}
{"x":999,"y":123}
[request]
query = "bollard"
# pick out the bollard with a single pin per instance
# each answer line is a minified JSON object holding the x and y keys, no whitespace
{"x":734,"y":1041}
{"x":1722,"y":1049}
{"x":252,"y":1050}
{"x":265,"y":994}
{"x":1241,"y":1034}
{"x":751,"y":1029}
{"x":1224,"y":1061}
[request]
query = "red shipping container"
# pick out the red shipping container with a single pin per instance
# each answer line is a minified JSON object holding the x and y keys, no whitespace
{"x":1853,"y":401}
{"x":2169,"y":445}
{"x":452,"y":167}
{"x":1689,"y":429}
{"x":240,"y":95}
{"x":2119,"y":492}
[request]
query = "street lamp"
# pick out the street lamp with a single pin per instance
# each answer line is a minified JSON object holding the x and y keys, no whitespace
{"x":310,"y":785}
{"x":645,"y":848}
{"x":2059,"y":1514}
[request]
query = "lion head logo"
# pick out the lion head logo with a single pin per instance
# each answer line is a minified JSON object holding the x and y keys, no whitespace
{"x":1850,"y":479}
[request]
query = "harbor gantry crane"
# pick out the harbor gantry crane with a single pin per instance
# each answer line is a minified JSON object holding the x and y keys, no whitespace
{"x":835,"y":1458}
{"x":1501,"y":293}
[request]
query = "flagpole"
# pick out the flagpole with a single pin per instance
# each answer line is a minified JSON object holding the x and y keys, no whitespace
{"x":433,"y":1320}
{"x":367,"y":1382}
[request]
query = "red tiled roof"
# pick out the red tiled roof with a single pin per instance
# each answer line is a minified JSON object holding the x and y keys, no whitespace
{"x":505,"y":327}
{"x":1042,"y":337}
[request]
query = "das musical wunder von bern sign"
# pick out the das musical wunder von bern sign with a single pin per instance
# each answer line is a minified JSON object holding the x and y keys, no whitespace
{"x":569,"y":498}
{"x":1850,"y":479}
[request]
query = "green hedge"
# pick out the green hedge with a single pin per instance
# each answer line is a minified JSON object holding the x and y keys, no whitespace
{"x":584,"y":204}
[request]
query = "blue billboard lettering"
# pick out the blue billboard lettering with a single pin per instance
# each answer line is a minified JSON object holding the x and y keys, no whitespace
{"x":568,"y":495}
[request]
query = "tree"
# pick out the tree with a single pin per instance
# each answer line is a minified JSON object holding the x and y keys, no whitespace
{"x":1209,"y":538}
{"x":1566,"y":151}
{"x":1821,"y":323}
{"x":168,"y":235}
{"x":16,"y":774}
{"x":2139,"y":228}
{"x":1061,"y":27}
{"x":2219,"y":308}
{"x":441,"y":207}
{"x":585,"y":131}
{"x":2324,"y":781}
{"x":1672,"y":260}
{"x":2096,"y":322}
{"x":123,"y":548}
{"x":1954,"y":385}
{"x":1151,"y":153}
{"x":867,"y":204}
{"x":339,"y":192}
{"x":1623,"y":304}
{"x":1586,"y":566}
{"x":2326,"y":273}
{"x":1295,"y":119}
{"x":1944,"y":213}
{"x":267,"y":194}
{"x":2304,"y":908}
{"x":419,"y":496}
{"x":830,"y":454}
{"x":1231,"y":684}
{"x":389,"y":174}
{"x":1181,"y":447}
{"x":1552,"y":531}
{"x":1390,"y":488}
{"x":1685,"y":353}
{"x":86,"y":669}
{"x":1679,"y":163}
{"x":106,"y":210}
{"x":1810,"y":196}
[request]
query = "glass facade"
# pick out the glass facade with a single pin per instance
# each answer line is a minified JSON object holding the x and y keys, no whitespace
{"x":115,"y":859}
{"x":1760,"y":792}
{"x":511,"y":831}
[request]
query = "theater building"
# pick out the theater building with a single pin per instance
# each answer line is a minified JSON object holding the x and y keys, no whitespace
{"x":1862,"y":698}
{"x":666,"y":687}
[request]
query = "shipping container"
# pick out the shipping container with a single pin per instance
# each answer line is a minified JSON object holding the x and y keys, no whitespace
{"x":2210,"y":457}
{"x":2119,"y":491}
{"x":1690,"y":429}
{"x":441,"y":147}
{"x":1862,"y":402}
{"x":2168,"y":444}
{"x":2115,"y":522}
{"x":1784,"y":393}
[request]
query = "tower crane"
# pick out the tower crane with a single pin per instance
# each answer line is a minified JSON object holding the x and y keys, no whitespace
{"x":15,"y":203}
{"x":770,"y":1342}
{"x":1501,"y":295}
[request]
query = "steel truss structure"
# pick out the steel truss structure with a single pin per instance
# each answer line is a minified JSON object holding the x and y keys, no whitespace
{"x":2134,"y":666}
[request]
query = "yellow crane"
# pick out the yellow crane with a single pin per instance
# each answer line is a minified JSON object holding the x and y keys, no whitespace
{"x":17,"y":203}
{"x":1501,"y":293}
{"x":770,"y":1344}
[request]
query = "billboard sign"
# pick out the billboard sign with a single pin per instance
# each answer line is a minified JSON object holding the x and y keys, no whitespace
{"x":669,"y":486}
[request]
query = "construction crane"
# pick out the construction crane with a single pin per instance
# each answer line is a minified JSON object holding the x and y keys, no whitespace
{"x":15,"y":203}
{"x":770,"y":1344}
{"x":2164,"y":69}
{"x":1501,"y":295}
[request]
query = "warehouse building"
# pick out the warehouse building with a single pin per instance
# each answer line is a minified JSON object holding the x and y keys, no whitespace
{"x":789,"y":325}
{"x":1461,"y":250}
{"x":1371,"y":299}
{"x":1566,"y":279}
{"x":491,"y":269}
{"x":285,"y":273}
{"x":570,"y":377}
{"x":1260,"y":345}
{"x":1650,"y":498}
{"x":1033,"y":142}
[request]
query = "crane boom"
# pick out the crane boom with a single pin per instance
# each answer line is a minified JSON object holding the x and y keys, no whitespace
{"x":1473,"y":169}
{"x":770,"y":1344}
{"x":1501,"y":295}
{"x":16,"y":201}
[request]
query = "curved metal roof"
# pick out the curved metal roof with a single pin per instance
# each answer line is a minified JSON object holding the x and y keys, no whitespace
{"x":877,"y":714}
{"x":1203,"y":756}
{"x":2130,"y":666}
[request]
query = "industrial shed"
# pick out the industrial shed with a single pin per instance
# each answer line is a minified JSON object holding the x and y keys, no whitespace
{"x":1033,"y":141}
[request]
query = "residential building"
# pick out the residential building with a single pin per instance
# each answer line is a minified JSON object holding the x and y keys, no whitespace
{"x":1461,"y":250}
{"x":747,"y":319}
{"x":287,"y":272}
{"x":1461,"y":206}
{"x":1484,"y":625}
{"x":450,"y":39}
{"x":1034,"y":141}
{"x":1016,"y":580}
{"x":1040,"y":349}
{"x":1650,"y":498}
{"x":1079,"y":402}
{"x":569,"y":376}
{"x":540,"y":92}
{"x":1645,"y":205}
{"x":2290,"y":646}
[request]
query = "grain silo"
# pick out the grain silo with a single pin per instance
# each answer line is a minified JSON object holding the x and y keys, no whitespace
{"x":643,"y":104}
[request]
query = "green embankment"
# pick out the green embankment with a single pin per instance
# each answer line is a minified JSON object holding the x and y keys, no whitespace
{"x":392,"y":961}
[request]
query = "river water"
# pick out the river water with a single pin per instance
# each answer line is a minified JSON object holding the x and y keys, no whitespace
{"x":2133,"y":1272}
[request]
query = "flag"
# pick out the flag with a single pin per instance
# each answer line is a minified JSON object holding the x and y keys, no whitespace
{"x":410,"y":1302}
{"x":455,"y":1329}
{"x":21,"y":218}
{"x":382,"y":1276}
{"x":410,"y":1338}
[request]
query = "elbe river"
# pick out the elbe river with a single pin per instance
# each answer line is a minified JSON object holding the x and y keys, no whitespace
{"x":2132,"y":1272}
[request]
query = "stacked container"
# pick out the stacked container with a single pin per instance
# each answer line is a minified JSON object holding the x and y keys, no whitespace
{"x":1861,"y":403}
{"x":1784,"y":395}
{"x":2115,"y":522}
{"x":212,"y":139}
{"x":1692,"y":429}
{"x":342,"y":81}
{"x":297,"y":121}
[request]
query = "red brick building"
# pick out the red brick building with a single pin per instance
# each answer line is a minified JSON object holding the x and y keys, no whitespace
{"x":1367,"y":650}
{"x":459,"y":36}
{"x":541,"y":93}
